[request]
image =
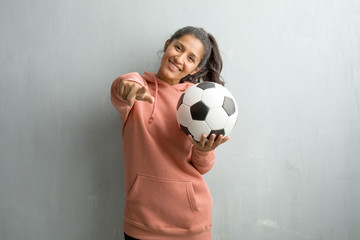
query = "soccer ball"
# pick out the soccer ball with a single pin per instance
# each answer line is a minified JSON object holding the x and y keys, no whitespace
{"x":206,"y":108}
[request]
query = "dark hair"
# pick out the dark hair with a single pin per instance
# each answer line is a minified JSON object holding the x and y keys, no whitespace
{"x":211,"y":62}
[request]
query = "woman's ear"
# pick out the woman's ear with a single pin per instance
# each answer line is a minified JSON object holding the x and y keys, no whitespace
{"x":166,"y":44}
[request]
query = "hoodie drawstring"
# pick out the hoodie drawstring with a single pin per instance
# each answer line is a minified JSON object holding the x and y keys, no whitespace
{"x":155,"y":101}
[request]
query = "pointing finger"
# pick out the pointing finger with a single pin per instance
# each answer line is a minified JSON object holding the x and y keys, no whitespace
{"x":144,"y":95}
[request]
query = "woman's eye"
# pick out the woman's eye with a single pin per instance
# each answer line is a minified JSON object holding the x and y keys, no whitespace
{"x":177,"y":48}
{"x":191,"y":59}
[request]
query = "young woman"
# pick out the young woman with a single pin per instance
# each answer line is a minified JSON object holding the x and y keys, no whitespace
{"x":166,"y":195}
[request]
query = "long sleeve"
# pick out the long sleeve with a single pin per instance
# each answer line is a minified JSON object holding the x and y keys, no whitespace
{"x":202,"y":161}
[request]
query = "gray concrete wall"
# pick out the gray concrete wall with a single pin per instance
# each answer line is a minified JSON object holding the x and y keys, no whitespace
{"x":290,"y":170}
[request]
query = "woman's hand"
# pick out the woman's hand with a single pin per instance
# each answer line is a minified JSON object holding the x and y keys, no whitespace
{"x":211,"y":144}
{"x":129,"y":91}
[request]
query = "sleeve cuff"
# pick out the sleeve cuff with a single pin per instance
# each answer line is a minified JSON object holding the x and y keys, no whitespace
{"x":203,"y":158}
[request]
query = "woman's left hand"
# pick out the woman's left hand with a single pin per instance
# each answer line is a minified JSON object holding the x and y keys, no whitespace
{"x":211,"y":144}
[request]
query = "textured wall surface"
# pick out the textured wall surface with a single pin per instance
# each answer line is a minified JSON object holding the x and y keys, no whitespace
{"x":290,"y":170}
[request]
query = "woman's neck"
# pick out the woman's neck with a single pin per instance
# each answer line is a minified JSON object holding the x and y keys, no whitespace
{"x":166,"y":80}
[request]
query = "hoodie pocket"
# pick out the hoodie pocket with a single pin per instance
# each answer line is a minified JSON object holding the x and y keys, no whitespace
{"x":161,"y":203}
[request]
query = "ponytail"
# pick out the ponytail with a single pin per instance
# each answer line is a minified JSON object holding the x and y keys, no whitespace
{"x":214,"y":64}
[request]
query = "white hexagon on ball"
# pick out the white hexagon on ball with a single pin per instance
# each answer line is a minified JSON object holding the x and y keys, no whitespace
{"x":216,"y":118}
{"x":230,"y":123}
{"x":183,"y":115}
{"x":212,"y":98}
{"x":198,"y":128}
{"x":223,"y":90}
{"x":192,"y":96}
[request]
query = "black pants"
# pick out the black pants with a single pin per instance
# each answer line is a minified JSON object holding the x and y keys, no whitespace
{"x":127,"y":237}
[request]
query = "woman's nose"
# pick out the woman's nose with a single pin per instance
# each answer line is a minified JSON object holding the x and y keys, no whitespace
{"x":179,"y":58}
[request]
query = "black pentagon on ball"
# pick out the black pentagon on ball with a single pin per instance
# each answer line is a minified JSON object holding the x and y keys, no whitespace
{"x":229,"y":106}
{"x":205,"y":85}
{"x":199,"y":111}
{"x":217,"y":133}
{"x":181,"y":99}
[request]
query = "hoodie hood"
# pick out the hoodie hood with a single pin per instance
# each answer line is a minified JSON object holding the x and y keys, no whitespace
{"x":151,"y":78}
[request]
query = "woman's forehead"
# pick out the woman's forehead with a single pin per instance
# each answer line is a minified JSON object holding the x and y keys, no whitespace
{"x":192,"y":44}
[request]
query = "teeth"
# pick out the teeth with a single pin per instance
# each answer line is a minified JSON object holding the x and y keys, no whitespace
{"x":174,"y":66}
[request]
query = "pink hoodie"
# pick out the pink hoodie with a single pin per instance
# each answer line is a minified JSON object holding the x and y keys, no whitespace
{"x":166,"y":195}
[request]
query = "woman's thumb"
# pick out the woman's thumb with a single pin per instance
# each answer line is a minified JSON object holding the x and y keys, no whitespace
{"x":144,"y":95}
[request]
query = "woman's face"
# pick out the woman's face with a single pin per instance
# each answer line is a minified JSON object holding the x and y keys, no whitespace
{"x":181,"y":58}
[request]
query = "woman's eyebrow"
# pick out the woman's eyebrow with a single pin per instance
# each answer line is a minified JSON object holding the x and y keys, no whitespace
{"x":182,"y":45}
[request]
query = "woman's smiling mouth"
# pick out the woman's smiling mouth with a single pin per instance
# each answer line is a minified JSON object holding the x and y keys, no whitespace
{"x":173,"y":66}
